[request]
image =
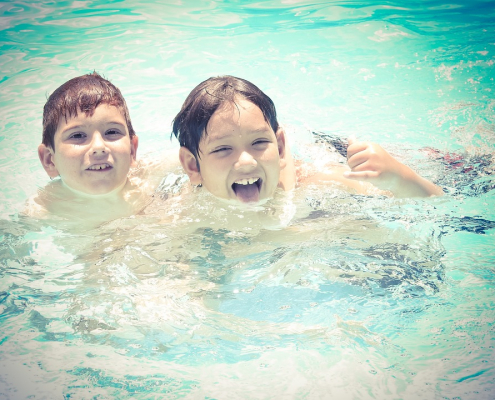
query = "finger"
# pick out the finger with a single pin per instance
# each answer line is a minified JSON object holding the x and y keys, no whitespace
{"x":356,"y":147}
{"x":355,"y":161}
{"x":358,"y":159}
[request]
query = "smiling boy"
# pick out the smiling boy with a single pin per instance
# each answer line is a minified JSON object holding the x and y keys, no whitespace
{"x":232,"y":144}
{"x":92,"y":153}
{"x":89,"y":142}
{"x":241,"y":155}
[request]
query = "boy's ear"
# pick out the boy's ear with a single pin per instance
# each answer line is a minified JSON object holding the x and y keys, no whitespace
{"x":45,"y":154}
{"x":134,"y":147}
{"x":281,"y":146}
{"x":190,"y":165}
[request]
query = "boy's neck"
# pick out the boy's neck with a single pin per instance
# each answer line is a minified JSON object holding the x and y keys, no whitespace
{"x":113,"y":194}
{"x":75,"y":210}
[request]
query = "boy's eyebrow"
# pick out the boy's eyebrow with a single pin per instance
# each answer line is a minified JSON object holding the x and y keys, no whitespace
{"x":261,"y":129}
{"x":210,"y":139}
{"x":79,"y":126}
{"x":70,"y":127}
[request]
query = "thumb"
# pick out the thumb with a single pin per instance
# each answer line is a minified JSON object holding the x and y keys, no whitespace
{"x":351,"y":139}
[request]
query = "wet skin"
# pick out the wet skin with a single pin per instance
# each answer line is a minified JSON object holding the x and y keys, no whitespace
{"x":92,"y":154}
{"x":239,"y":155}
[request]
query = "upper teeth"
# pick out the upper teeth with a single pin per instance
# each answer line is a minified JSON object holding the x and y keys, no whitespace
{"x":99,"y":166}
{"x":247,"y":181}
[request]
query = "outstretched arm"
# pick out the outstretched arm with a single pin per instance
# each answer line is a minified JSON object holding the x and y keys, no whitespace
{"x":371,"y":163}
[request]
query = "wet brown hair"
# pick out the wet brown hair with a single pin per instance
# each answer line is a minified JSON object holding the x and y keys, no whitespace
{"x":190,"y":123}
{"x":81,"y":94}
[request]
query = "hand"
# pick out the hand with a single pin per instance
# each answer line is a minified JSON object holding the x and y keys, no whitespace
{"x":370,"y":162}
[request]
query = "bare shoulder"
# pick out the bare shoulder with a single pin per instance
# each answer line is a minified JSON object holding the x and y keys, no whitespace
{"x":45,"y":202}
{"x":148,"y":172}
{"x":35,"y":207}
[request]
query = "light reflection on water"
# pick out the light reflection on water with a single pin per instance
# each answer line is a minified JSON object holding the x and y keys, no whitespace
{"x":316,"y":294}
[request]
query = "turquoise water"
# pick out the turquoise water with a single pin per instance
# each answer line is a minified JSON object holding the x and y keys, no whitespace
{"x":318,"y":295}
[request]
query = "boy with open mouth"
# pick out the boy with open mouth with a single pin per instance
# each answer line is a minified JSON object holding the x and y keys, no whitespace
{"x":232,"y":144}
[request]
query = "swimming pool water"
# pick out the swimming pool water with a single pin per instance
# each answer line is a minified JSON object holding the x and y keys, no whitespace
{"x":319,"y":294}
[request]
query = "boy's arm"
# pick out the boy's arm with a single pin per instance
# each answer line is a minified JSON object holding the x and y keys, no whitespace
{"x":371,"y":163}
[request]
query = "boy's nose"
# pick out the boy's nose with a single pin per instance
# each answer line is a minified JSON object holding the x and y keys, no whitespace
{"x":245,"y":161}
{"x":98,"y":144}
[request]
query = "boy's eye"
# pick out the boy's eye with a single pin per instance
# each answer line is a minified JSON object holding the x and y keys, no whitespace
{"x":113,"y":132}
{"x":261,"y":142}
{"x":77,"y":135}
{"x":220,"y":149}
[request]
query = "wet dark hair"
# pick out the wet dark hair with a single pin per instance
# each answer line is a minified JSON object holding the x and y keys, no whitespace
{"x":190,"y":123}
{"x":83,"y":93}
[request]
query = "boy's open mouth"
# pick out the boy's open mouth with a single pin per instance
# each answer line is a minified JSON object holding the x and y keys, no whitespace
{"x":247,"y":190}
{"x":99,"y":167}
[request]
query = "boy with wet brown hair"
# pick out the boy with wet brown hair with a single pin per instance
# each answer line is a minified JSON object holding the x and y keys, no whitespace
{"x":232,"y":144}
{"x":89,"y":143}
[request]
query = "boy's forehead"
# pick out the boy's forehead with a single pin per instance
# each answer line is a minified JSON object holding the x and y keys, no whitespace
{"x":79,"y":113}
{"x":230,"y":117}
{"x":236,"y":106}
{"x":104,"y":111}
